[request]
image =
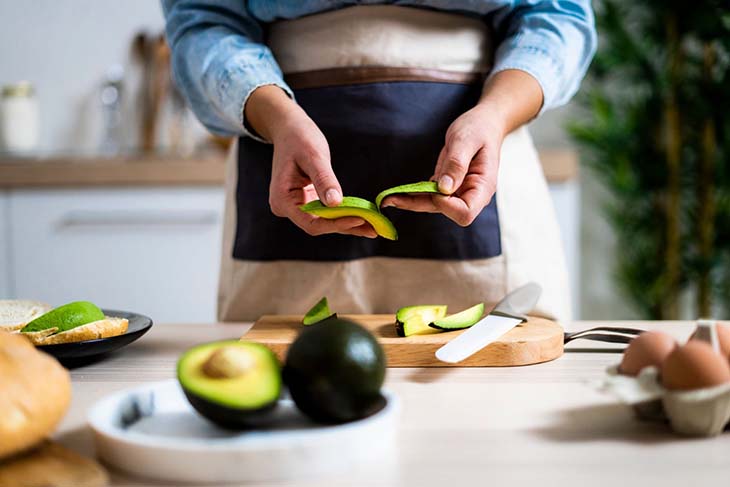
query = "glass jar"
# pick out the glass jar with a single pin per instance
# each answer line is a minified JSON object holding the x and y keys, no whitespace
{"x":19,"y":124}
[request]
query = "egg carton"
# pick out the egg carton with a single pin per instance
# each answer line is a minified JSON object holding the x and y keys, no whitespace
{"x":700,"y":412}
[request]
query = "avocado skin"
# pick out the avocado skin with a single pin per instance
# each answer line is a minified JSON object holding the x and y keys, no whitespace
{"x":231,"y":418}
{"x":334,"y":371}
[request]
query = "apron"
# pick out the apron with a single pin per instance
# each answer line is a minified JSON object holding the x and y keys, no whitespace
{"x":383,"y":84}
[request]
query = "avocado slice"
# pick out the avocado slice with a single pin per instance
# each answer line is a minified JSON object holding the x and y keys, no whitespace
{"x":235,"y":384}
{"x":334,"y":372}
{"x":412,"y":188}
{"x":414,"y":320}
{"x":353,"y":206}
{"x":318,"y":312}
{"x":66,"y":317}
{"x":460,"y":320}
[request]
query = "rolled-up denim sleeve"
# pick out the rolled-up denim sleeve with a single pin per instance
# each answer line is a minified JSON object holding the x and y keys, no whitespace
{"x":554,"y":41}
{"x":218,"y":60}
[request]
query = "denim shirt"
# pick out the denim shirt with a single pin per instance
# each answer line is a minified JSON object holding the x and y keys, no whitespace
{"x":218,"y":55}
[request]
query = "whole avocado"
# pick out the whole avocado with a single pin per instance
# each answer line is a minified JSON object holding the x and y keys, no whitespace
{"x":334,"y":371}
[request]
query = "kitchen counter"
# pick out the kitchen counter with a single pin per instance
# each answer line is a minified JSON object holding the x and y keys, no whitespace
{"x":538,"y":425}
{"x":97,"y":172}
{"x":559,"y":165}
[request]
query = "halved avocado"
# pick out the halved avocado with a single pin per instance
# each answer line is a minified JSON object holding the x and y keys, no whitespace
{"x":318,"y":312}
{"x":235,"y":384}
{"x":334,"y":372}
{"x":412,"y":188}
{"x":460,"y":320}
{"x":353,"y":206}
{"x":414,"y":320}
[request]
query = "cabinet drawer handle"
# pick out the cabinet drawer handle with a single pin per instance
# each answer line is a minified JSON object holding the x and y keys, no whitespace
{"x":137,"y":218}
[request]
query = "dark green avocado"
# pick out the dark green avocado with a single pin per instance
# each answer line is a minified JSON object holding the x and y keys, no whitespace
{"x":334,"y":372}
{"x":235,"y":384}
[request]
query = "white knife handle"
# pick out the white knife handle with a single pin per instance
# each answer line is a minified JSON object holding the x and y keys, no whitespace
{"x":475,"y":338}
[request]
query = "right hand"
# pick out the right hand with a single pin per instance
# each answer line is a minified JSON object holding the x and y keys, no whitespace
{"x":301,"y":170}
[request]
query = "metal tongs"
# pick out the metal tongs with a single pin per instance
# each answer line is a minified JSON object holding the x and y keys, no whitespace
{"x":609,"y":334}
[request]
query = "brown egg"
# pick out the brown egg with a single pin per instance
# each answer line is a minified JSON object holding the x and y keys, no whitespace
{"x":649,"y":348}
{"x":723,"y":336}
{"x":694,"y":366}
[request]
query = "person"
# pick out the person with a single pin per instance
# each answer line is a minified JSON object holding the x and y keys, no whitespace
{"x":333,"y":98}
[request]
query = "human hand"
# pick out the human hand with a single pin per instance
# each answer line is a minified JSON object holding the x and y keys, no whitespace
{"x":467,"y":166}
{"x":466,"y":169}
{"x":301,"y":168}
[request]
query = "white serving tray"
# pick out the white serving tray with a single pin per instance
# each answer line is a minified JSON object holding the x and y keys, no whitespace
{"x":152,"y":431}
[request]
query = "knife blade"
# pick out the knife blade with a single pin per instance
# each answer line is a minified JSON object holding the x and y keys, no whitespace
{"x":508,"y":313}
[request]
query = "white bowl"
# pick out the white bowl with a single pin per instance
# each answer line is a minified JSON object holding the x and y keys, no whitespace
{"x":152,"y":431}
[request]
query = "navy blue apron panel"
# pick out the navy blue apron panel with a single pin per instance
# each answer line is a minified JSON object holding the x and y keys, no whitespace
{"x":380,"y":135}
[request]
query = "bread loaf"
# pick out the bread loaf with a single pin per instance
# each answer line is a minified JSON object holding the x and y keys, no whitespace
{"x":35,"y":391}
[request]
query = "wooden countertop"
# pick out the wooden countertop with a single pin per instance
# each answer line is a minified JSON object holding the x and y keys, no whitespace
{"x":560,"y":165}
{"x":93,"y":172}
{"x":536,"y":425}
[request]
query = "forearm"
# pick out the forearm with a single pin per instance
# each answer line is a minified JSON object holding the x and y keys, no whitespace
{"x":268,"y":110}
{"x":552,"y":40}
{"x":513,"y":97}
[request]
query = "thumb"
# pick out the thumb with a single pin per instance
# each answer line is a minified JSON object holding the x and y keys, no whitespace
{"x":453,"y":165}
{"x":319,"y":170}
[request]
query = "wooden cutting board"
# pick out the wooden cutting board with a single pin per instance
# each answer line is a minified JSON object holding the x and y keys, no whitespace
{"x":535,"y":341}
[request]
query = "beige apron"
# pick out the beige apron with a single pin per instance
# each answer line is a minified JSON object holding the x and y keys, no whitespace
{"x":436,"y":46}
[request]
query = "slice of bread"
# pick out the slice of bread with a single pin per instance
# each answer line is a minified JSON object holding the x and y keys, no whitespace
{"x":16,"y":313}
{"x":108,"y":327}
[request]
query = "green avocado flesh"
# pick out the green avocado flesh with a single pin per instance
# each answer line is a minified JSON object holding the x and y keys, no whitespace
{"x":412,"y":188}
{"x":460,"y":320}
{"x":352,"y":206}
{"x":318,"y":312}
{"x":66,"y":317}
{"x":235,"y":384}
{"x":414,"y":320}
{"x":334,"y":372}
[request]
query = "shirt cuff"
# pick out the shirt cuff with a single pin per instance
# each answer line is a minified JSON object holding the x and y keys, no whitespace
{"x":248,"y":131}
{"x":531,"y":53}
{"x":236,"y":83}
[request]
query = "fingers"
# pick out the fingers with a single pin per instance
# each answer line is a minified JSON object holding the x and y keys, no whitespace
{"x":318,"y":168}
{"x":364,"y":230}
{"x":414,"y":202}
{"x":316,"y":226}
{"x":454,"y":160}
{"x":461,"y":209}
{"x":464,"y":206}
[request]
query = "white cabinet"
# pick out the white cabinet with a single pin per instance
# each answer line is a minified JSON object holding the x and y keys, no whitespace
{"x":4,"y":246}
{"x":155,"y":251}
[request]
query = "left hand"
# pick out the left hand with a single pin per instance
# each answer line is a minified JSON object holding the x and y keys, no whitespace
{"x":466,"y":169}
{"x":467,"y":166}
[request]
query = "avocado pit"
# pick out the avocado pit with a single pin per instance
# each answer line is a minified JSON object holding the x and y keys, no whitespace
{"x":227,"y":363}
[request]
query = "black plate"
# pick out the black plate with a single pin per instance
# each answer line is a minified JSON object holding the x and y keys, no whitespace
{"x":79,"y":353}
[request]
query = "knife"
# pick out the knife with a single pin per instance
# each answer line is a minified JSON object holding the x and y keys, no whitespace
{"x":508,"y":313}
